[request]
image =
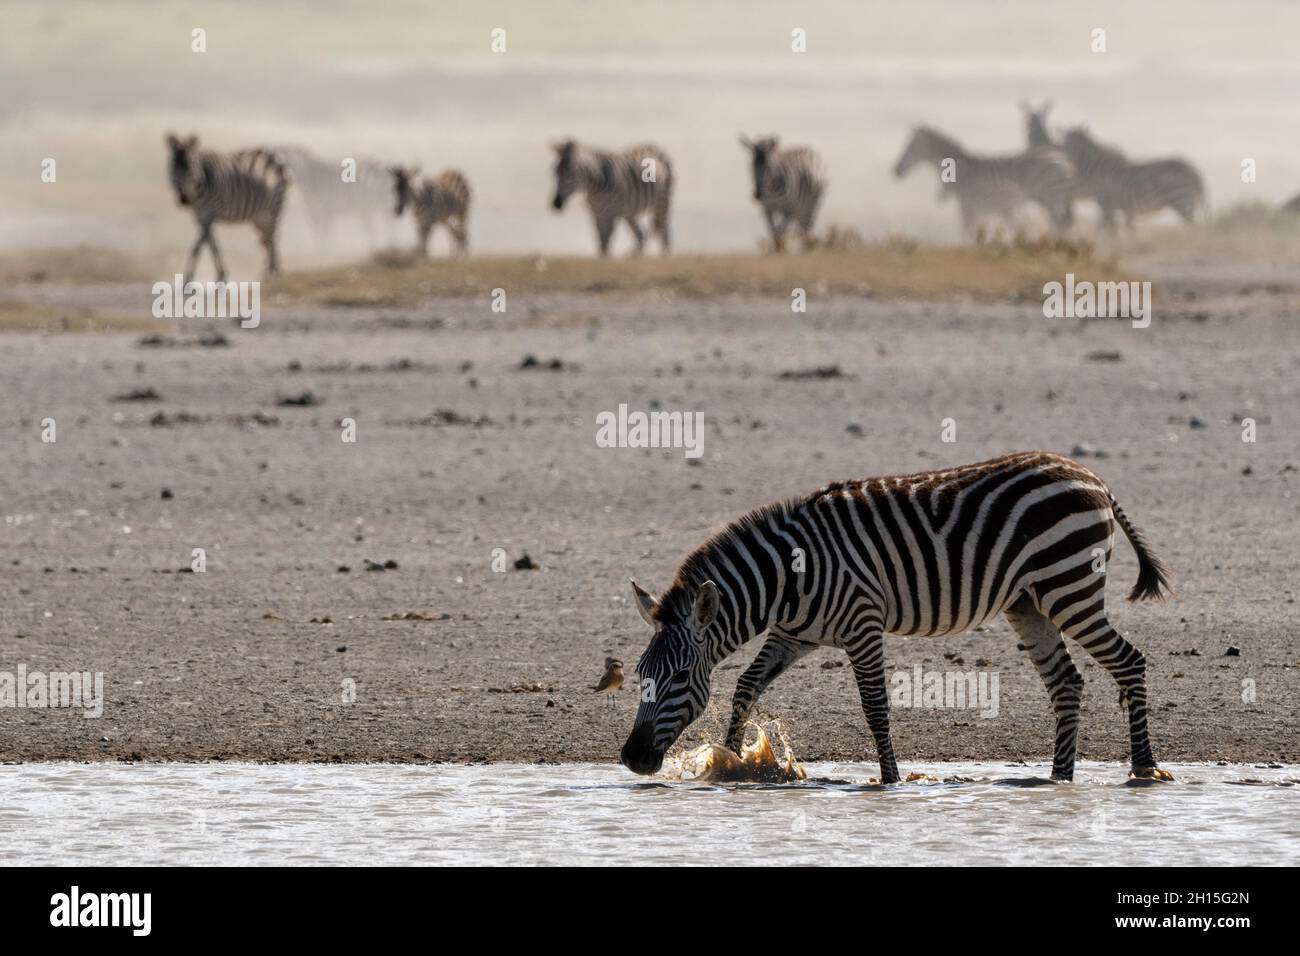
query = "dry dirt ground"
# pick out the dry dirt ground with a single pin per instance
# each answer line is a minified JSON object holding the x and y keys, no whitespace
{"x":461,"y":451}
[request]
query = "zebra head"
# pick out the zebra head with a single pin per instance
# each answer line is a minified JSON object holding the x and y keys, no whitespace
{"x":673,"y":672}
{"x":761,"y":152}
{"x":404,"y":180}
{"x":1036,"y":123}
{"x":567,"y":180}
{"x":925,"y":146}
{"x":185,"y":171}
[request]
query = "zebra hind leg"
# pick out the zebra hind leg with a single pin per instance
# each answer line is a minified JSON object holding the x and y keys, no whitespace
{"x":604,"y":230}
{"x":867,"y":655}
{"x":773,"y":659}
{"x":1046,"y":648}
{"x":661,"y":228}
{"x":1126,"y":664}
{"x":638,"y":234}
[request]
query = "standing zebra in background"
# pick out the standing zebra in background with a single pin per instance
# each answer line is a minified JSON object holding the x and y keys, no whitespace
{"x":441,"y":199}
{"x":1121,"y":186}
{"x":789,"y":184}
{"x":1036,"y":134}
{"x":329,"y":199}
{"x":618,"y":186}
{"x":247,"y":186}
{"x":994,"y":186}
{"x":934,"y":553}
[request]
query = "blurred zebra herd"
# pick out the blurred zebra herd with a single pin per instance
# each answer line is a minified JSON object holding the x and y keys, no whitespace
{"x":635,"y":186}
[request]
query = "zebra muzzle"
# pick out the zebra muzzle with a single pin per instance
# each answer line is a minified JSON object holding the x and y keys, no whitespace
{"x":639,"y":754}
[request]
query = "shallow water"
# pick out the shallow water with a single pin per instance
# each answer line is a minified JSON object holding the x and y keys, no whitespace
{"x":600,"y":813}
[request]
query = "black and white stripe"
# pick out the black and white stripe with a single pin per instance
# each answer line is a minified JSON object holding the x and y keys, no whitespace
{"x":1120,"y":185}
{"x":623,"y":186}
{"x":995,"y":187}
{"x":247,"y":186}
{"x":436,"y":200}
{"x":934,"y":553}
{"x":789,"y":184}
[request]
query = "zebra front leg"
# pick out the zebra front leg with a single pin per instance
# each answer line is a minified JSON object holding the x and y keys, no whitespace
{"x":1126,"y":664}
{"x":774,"y":659}
{"x":216,"y":255}
{"x":460,"y":233}
{"x":1046,"y":648}
{"x":268,"y":244}
{"x":205,"y":230}
{"x":776,"y":224}
{"x":422,"y":246}
{"x":867,"y":654}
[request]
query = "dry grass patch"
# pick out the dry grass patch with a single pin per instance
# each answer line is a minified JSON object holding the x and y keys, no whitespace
{"x":29,"y":317}
{"x":76,"y":265}
{"x":890,"y":269}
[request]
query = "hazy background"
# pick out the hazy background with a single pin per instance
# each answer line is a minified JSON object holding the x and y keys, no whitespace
{"x":96,"y":84}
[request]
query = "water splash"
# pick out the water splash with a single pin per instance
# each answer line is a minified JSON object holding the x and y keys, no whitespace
{"x":756,"y":763}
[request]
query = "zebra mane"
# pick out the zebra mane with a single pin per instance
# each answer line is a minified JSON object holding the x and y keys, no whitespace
{"x":678,"y":600}
{"x":944,"y":141}
{"x":1095,"y":150}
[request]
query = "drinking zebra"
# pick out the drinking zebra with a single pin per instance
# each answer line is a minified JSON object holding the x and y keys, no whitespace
{"x":441,"y":199}
{"x":934,"y":553}
{"x":1121,"y":186}
{"x":618,"y":186}
{"x":789,"y":184}
{"x":247,"y":186}
{"x":994,"y":187}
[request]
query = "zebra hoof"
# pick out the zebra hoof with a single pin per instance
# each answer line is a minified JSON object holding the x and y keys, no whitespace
{"x":1151,"y":773}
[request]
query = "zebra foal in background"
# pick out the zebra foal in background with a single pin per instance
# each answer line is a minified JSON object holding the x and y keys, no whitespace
{"x":1120,"y":185}
{"x":994,"y":187}
{"x":442,"y":199}
{"x":789,"y":184}
{"x":623,"y":185}
{"x":247,"y":186}
{"x":933,"y":553}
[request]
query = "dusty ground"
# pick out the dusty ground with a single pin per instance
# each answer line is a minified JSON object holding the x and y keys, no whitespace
{"x":459,"y":451}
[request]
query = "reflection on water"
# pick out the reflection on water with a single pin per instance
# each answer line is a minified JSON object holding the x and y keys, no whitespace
{"x":599,"y":813}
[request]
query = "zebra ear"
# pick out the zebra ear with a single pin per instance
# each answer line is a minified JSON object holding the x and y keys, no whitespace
{"x":746,"y":142}
{"x":172,"y":141}
{"x":706,"y":605}
{"x":191,"y":141}
{"x":645,"y":604}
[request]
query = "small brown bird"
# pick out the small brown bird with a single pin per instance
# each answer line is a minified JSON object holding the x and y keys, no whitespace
{"x":612,"y":679}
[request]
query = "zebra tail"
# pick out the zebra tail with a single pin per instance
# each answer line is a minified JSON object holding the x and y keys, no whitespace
{"x":1155,"y":580}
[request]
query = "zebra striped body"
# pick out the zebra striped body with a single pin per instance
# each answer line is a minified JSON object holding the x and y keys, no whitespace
{"x":1121,"y":186}
{"x":926,"y":554}
{"x":329,"y":199}
{"x":624,"y":186}
{"x":442,"y":199}
{"x":995,"y":187}
{"x":247,"y":186}
{"x":789,"y":184}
